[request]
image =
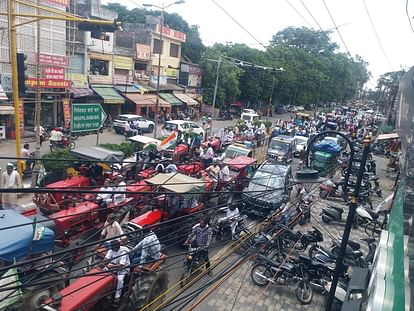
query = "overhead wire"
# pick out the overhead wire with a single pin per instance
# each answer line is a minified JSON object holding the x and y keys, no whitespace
{"x":377,"y":36}
{"x":297,"y":12}
{"x":337,"y":30}
{"x":239,"y":24}
{"x":408,"y":15}
{"x":311,"y":15}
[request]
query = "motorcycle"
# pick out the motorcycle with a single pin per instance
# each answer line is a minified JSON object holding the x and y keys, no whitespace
{"x":302,"y":241}
{"x":285,"y":274}
{"x":330,"y":188}
{"x":192,"y":262}
{"x":222,"y":229}
{"x":65,"y":143}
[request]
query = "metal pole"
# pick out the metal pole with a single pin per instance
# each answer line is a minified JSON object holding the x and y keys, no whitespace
{"x":16,"y":102}
{"x":271,"y":97}
{"x":215,"y":91}
{"x":38,"y":104}
{"x":157,"y":102}
{"x":351,"y":214}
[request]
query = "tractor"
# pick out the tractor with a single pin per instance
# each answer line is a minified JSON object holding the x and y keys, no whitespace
{"x":24,"y":243}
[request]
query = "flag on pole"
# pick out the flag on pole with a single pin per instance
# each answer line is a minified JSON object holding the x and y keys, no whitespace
{"x":168,"y":142}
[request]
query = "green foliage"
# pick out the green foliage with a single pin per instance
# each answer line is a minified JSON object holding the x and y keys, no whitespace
{"x":268,"y":124}
{"x":127,"y":148}
{"x":50,"y":163}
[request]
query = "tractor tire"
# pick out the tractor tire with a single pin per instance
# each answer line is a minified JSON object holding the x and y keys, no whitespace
{"x":35,"y":296}
{"x":146,"y":289}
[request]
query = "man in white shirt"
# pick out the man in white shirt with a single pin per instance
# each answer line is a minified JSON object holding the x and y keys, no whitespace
{"x":25,"y":153}
{"x":10,"y":180}
{"x":232,"y":215}
{"x":120,"y":197}
{"x":105,"y":198}
{"x":56,"y":136}
{"x":150,"y":246}
{"x":208,"y":156}
{"x":224,"y":173}
{"x":111,"y":229}
{"x":118,"y":257}
{"x":171,"y":168}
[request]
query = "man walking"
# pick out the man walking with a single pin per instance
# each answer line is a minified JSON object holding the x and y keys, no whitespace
{"x":150,"y":246}
{"x":10,"y":179}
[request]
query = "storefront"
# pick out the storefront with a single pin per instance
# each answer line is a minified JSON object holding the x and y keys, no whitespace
{"x":145,"y":104}
{"x":110,"y":98}
{"x":176,"y":104}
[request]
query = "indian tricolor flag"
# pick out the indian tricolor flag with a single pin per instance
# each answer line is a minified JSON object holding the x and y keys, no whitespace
{"x":168,"y":142}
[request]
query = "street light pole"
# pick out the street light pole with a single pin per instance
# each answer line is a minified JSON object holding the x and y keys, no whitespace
{"x":348,"y":225}
{"x":157,"y":101}
{"x":215,"y":92}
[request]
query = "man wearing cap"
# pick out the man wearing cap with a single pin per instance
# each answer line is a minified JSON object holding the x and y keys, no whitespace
{"x":10,"y":180}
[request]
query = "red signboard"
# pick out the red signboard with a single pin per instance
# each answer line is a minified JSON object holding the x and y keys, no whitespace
{"x":61,"y":2}
{"x":48,"y":83}
{"x":57,"y":73}
{"x":54,"y":60}
{"x":178,"y":35}
{"x":66,"y":110}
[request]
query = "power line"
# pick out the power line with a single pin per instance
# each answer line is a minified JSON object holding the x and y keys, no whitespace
{"x":337,"y":29}
{"x":241,"y":26}
{"x":311,"y":15}
{"x":304,"y":19}
{"x":408,"y":16}
{"x":376,"y":35}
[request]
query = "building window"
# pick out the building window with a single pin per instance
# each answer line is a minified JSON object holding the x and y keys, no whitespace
{"x":121,"y":72}
{"x":99,"y":67}
{"x":140,"y":66}
{"x":99,"y":35}
{"x":174,"y":50}
{"x":157,"y":47}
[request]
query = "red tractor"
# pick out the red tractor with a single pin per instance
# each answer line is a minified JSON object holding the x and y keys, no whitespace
{"x":95,"y":289}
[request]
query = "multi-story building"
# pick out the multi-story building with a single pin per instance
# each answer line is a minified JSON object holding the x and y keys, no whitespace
{"x":52,"y":61}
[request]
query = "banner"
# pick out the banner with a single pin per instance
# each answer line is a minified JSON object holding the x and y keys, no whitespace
{"x":21,"y":117}
{"x":66,"y":110}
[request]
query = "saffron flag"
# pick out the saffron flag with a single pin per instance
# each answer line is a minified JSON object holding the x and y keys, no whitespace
{"x":168,"y":142}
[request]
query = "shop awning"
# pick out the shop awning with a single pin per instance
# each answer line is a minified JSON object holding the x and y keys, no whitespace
{"x":127,"y":89}
{"x":147,"y":100}
{"x":3,"y":95}
{"x":6,"y":109}
{"x":174,"y":101}
{"x":186,"y":99}
{"x":109,"y":95}
{"x":81,"y":92}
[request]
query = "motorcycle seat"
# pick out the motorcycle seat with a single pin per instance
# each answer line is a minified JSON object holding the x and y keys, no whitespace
{"x":268,"y":260}
{"x":373,"y":214}
{"x":357,"y":254}
{"x":340,"y":210}
{"x":304,"y":258}
{"x":354,"y":245}
{"x":294,"y":235}
{"x":368,"y":240}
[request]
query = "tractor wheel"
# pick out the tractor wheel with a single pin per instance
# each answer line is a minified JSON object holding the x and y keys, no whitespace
{"x":35,"y":296}
{"x":148,"y":288}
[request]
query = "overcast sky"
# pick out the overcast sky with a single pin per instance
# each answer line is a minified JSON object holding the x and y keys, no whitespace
{"x":263,"y":18}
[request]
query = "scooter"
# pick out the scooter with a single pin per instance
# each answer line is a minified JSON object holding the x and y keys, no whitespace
{"x":334,"y":213}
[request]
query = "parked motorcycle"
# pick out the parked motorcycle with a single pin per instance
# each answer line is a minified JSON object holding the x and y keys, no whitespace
{"x":283,"y":274}
{"x":301,"y":241}
{"x":333,"y":189}
{"x":334,"y":213}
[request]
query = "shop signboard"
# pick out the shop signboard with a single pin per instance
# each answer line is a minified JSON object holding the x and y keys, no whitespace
{"x":143,"y":52}
{"x":57,"y":73}
{"x":171,"y":33}
{"x":87,"y":117}
{"x":6,"y":82}
{"x":53,"y":60}
{"x":48,"y":83}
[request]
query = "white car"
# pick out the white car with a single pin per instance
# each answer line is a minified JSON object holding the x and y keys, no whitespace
{"x":301,"y":141}
{"x":182,"y":126}
{"x":144,"y":124}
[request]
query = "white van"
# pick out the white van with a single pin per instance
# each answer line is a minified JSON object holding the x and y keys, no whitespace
{"x":249,"y":115}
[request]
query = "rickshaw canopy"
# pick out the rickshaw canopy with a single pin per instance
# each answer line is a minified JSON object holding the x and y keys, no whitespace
{"x":177,"y":182}
{"x":28,"y":238}
{"x":97,"y":154}
{"x":241,"y":162}
{"x":387,"y":136}
{"x":144,"y":140}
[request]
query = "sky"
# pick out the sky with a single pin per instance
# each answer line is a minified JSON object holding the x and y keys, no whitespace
{"x":264,"y":18}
